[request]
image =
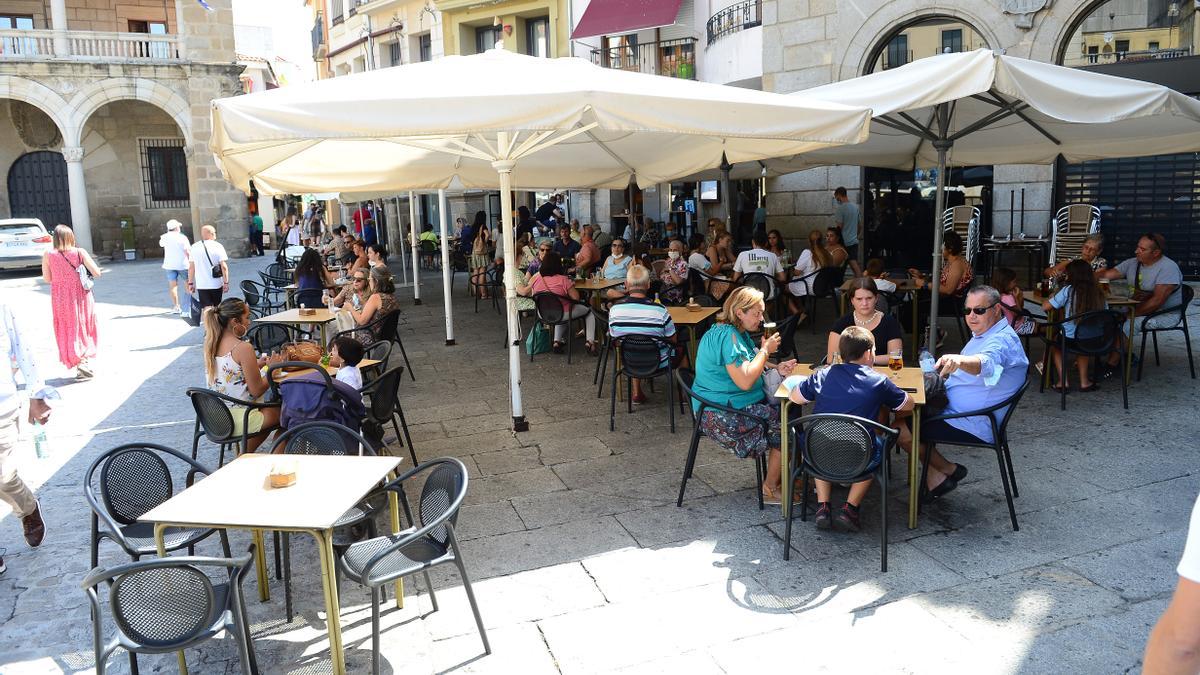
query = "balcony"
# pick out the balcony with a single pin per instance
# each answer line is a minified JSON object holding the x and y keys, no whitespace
{"x":318,"y":37}
{"x":91,"y":46}
{"x":671,"y":58}
{"x":747,"y":14}
{"x":1147,"y":55}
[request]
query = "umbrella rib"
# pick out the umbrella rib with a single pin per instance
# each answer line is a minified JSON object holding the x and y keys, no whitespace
{"x":533,"y":139}
{"x":466,"y":146}
{"x":570,"y":134}
{"x":900,"y":126}
{"x":474,"y":153}
{"x":605,"y":148}
{"x":1017,"y":109}
{"x":925,"y":129}
{"x":482,"y":139}
{"x":995,"y":116}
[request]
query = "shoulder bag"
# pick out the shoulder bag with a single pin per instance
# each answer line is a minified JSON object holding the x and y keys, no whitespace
{"x":85,"y":277}
{"x":216,"y":271}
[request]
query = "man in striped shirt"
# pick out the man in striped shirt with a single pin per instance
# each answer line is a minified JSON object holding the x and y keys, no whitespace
{"x":638,"y":315}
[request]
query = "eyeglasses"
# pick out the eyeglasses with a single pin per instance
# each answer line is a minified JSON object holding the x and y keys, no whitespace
{"x":979,"y":311}
{"x":358,"y":279}
{"x":544,"y":250}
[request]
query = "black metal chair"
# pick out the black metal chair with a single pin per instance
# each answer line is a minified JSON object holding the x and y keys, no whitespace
{"x":309,"y":297}
{"x":385,"y":408}
{"x":1188,"y":295}
{"x":380,"y":351}
{"x":125,"y":483}
{"x":825,"y":284}
{"x":1097,"y":334}
{"x":492,"y":283}
{"x":549,"y":309}
{"x":169,"y":604}
{"x":259,"y":297}
{"x":684,"y":377}
{"x":270,"y":337}
{"x":839,"y":449}
{"x":215,"y":419}
{"x":1024,"y":313}
{"x":765,"y":284}
{"x":641,"y":357}
{"x":386,"y":327}
{"x":376,"y":562}
{"x":999,"y":443}
{"x":458,"y":263}
{"x":718,"y":288}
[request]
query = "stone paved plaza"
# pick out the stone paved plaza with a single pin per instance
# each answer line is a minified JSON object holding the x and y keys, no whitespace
{"x":582,"y":562}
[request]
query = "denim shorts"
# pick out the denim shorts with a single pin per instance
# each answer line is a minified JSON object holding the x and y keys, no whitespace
{"x":177,"y":275}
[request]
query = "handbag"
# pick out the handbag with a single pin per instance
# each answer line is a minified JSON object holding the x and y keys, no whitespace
{"x":538,"y":340}
{"x":85,"y":277}
{"x":216,"y":270}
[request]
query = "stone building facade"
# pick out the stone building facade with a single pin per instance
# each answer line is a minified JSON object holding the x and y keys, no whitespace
{"x":126,"y":111}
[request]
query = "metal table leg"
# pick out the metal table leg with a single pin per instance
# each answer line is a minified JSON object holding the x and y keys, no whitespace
{"x":914,"y":476}
{"x":785,"y":466}
{"x":324,"y":539}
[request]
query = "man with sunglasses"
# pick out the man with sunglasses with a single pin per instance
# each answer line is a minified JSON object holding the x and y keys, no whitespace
{"x":991,"y":368}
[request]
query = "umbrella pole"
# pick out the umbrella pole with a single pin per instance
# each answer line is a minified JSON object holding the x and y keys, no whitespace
{"x":447,"y":279}
{"x":504,"y":168}
{"x":400,"y":245}
{"x":726,"y":167}
{"x":412,"y":247}
{"x":939,"y":204}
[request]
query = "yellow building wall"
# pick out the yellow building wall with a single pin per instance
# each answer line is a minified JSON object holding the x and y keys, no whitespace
{"x":461,"y":18}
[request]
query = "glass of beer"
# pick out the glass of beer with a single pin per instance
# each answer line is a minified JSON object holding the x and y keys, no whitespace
{"x":896,"y":359}
{"x":768,"y":329}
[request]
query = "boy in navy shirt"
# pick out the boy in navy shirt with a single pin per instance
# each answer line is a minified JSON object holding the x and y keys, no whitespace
{"x":852,"y":387}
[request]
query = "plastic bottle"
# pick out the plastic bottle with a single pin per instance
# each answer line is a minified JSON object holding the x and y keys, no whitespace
{"x":656,"y":300}
{"x":927,"y":361}
{"x":40,"y":446}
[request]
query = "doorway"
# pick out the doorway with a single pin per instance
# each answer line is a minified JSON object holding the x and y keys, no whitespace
{"x":37,"y":188}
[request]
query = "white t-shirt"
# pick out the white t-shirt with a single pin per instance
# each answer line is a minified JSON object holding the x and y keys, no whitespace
{"x":175,"y":246}
{"x":1189,"y":564}
{"x":293,"y":235}
{"x":757,"y":260}
{"x":202,"y":251}
{"x":699,"y":261}
{"x":351,"y":375}
{"x":804,"y":267}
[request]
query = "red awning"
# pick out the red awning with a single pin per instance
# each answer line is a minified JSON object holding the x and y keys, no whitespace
{"x":609,"y":17}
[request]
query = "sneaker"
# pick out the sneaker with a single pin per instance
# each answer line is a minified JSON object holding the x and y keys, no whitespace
{"x":847,"y":519}
{"x":639,"y":399}
{"x":822,"y":519}
{"x":34,"y":526}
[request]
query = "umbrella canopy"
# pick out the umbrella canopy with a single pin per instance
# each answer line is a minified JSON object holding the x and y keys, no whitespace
{"x":501,"y":119}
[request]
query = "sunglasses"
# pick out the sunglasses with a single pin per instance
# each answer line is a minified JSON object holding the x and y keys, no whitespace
{"x":544,"y":250}
{"x":979,"y":311}
{"x":360,"y":278}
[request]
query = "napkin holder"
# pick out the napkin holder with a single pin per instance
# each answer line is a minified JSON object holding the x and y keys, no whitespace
{"x":693,"y":307}
{"x":307,"y":311}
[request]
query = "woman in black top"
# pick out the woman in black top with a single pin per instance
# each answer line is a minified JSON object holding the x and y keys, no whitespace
{"x":885,"y":327}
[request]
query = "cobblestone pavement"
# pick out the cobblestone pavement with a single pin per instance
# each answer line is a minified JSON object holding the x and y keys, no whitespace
{"x":583,"y":563}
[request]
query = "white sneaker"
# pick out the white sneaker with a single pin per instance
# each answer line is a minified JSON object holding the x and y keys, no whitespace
{"x":1039,"y":367}
{"x":84,"y":370}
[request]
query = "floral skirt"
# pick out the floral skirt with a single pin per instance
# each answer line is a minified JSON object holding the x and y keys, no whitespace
{"x":741,"y":435}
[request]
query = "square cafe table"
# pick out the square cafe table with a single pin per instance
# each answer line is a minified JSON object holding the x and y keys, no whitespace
{"x":593,"y":287}
{"x":682,"y":316}
{"x":365,"y":363}
{"x":911,"y":381}
{"x":321,"y":316}
{"x":239,"y":495}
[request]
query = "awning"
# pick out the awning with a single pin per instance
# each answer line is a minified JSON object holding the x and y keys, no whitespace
{"x":608,"y":17}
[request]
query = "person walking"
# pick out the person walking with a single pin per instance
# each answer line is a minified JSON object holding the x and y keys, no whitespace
{"x":208,"y":271}
{"x":17,"y":346}
{"x":256,"y":234}
{"x":175,"y":247}
{"x":66,"y":268}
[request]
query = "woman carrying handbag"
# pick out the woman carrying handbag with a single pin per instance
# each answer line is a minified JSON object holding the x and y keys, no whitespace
{"x":69,"y":270}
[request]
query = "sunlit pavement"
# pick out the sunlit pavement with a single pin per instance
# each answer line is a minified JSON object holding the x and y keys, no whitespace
{"x":583,"y":563}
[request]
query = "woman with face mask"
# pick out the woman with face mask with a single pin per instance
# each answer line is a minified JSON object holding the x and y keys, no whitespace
{"x":674,"y":275}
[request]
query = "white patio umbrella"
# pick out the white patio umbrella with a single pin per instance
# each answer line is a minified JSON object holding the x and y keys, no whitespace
{"x":501,"y":119}
{"x":981,"y":107}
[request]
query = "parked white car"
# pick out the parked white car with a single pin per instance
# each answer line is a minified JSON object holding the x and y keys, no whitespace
{"x":22,"y":243}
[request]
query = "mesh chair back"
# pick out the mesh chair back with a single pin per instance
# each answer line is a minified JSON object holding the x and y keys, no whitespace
{"x":385,"y":392}
{"x":442,"y":488}
{"x":250,"y":291}
{"x":269,"y":337}
{"x":309,"y":297}
{"x":706,"y":300}
{"x":215,"y":417}
{"x":549,"y":307}
{"x":1096,"y":332}
{"x":132,"y":482}
{"x":163,"y":607}
{"x":321,"y":438}
{"x":388,"y":325}
{"x":276,"y":269}
{"x":827,"y":280}
{"x":836,"y":447}
{"x":762,"y":283}
{"x":641,"y":355}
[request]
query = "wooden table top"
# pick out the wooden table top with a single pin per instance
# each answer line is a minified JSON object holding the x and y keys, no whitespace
{"x":320,"y":315}
{"x":910,"y":379}
{"x":239,"y":494}
{"x":682,"y":316}
{"x":283,"y":375}
{"x":337,"y":284}
{"x":592,"y":285}
{"x":1112,"y":300}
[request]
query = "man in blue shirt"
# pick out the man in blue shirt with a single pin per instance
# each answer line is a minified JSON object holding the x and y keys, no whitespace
{"x":852,"y":387}
{"x":845,"y":219}
{"x":991,"y":368}
{"x":565,"y":246}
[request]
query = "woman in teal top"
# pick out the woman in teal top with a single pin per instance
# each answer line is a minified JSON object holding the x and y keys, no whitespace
{"x":729,"y":371}
{"x":616,"y":266}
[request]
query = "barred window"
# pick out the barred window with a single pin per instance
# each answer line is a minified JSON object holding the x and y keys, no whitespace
{"x":164,"y":173}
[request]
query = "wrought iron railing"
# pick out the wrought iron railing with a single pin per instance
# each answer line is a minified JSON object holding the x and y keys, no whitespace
{"x":672,"y":58}
{"x":734,"y":18}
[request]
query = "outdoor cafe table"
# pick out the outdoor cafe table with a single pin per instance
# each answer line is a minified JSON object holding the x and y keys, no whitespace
{"x":905,"y":285}
{"x":321,"y":316}
{"x":682,"y":316}
{"x":592,"y":286}
{"x":910,"y":380}
{"x":238,"y":495}
{"x":1114,"y":302}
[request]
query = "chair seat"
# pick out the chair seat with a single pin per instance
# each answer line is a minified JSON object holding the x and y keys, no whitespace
{"x":415,"y":557}
{"x":141,"y":537}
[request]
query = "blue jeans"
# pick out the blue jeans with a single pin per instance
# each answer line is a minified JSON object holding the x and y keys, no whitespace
{"x":185,"y":298}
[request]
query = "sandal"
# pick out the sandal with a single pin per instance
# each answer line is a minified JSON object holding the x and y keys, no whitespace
{"x":1059,"y":390}
{"x":1091,"y":387}
{"x":770,"y":498}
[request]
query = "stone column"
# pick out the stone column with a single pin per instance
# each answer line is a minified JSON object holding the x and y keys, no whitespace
{"x":81,"y":219}
{"x":58,"y":22}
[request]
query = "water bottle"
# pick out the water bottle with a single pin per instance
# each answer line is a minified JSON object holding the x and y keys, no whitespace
{"x":927,"y":361}
{"x":40,"y":446}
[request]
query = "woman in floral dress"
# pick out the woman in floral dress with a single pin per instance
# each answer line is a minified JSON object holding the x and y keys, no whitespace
{"x":73,"y":307}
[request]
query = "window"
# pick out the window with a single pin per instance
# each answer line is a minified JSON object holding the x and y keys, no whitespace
{"x":426,"y":50}
{"x":394,"y":53}
{"x":17,"y":21}
{"x":16,"y":46}
{"x":486,"y":38}
{"x":952,"y":41}
{"x":1122,"y":46}
{"x":150,"y":49}
{"x":164,"y":173}
{"x":1093,"y":53}
{"x":1153,"y":46}
{"x":897,"y":52}
{"x":151,"y":27}
{"x":335,"y":8}
{"x":537,"y":37}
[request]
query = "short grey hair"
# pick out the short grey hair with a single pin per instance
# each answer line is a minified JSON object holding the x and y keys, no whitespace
{"x":1096,"y":238}
{"x":992,"y":295}
{"x":638,"y":277}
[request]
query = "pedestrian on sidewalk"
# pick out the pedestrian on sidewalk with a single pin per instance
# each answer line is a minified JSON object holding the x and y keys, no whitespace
{"x":208,"y":271}
{"x":1174,"y":644}
{"x":175,"y":247}
{"x":256,"y":234}
{"x":17,"y":347}
{"x":65,"y":267}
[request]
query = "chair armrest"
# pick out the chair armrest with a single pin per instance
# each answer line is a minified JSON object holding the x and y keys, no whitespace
{"x":99,"y":575}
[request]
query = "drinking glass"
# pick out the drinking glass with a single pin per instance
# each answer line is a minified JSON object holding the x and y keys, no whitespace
{"x":896,"y":359}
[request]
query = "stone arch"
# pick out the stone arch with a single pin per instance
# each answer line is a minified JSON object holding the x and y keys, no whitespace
{"x":1059,"y":29}
{"x":94,"y":96}
{"x":868,"y":34}
{"x":44,"y":99}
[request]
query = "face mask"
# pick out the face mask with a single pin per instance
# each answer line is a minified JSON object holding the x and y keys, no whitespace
{"x":673,"y":255}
